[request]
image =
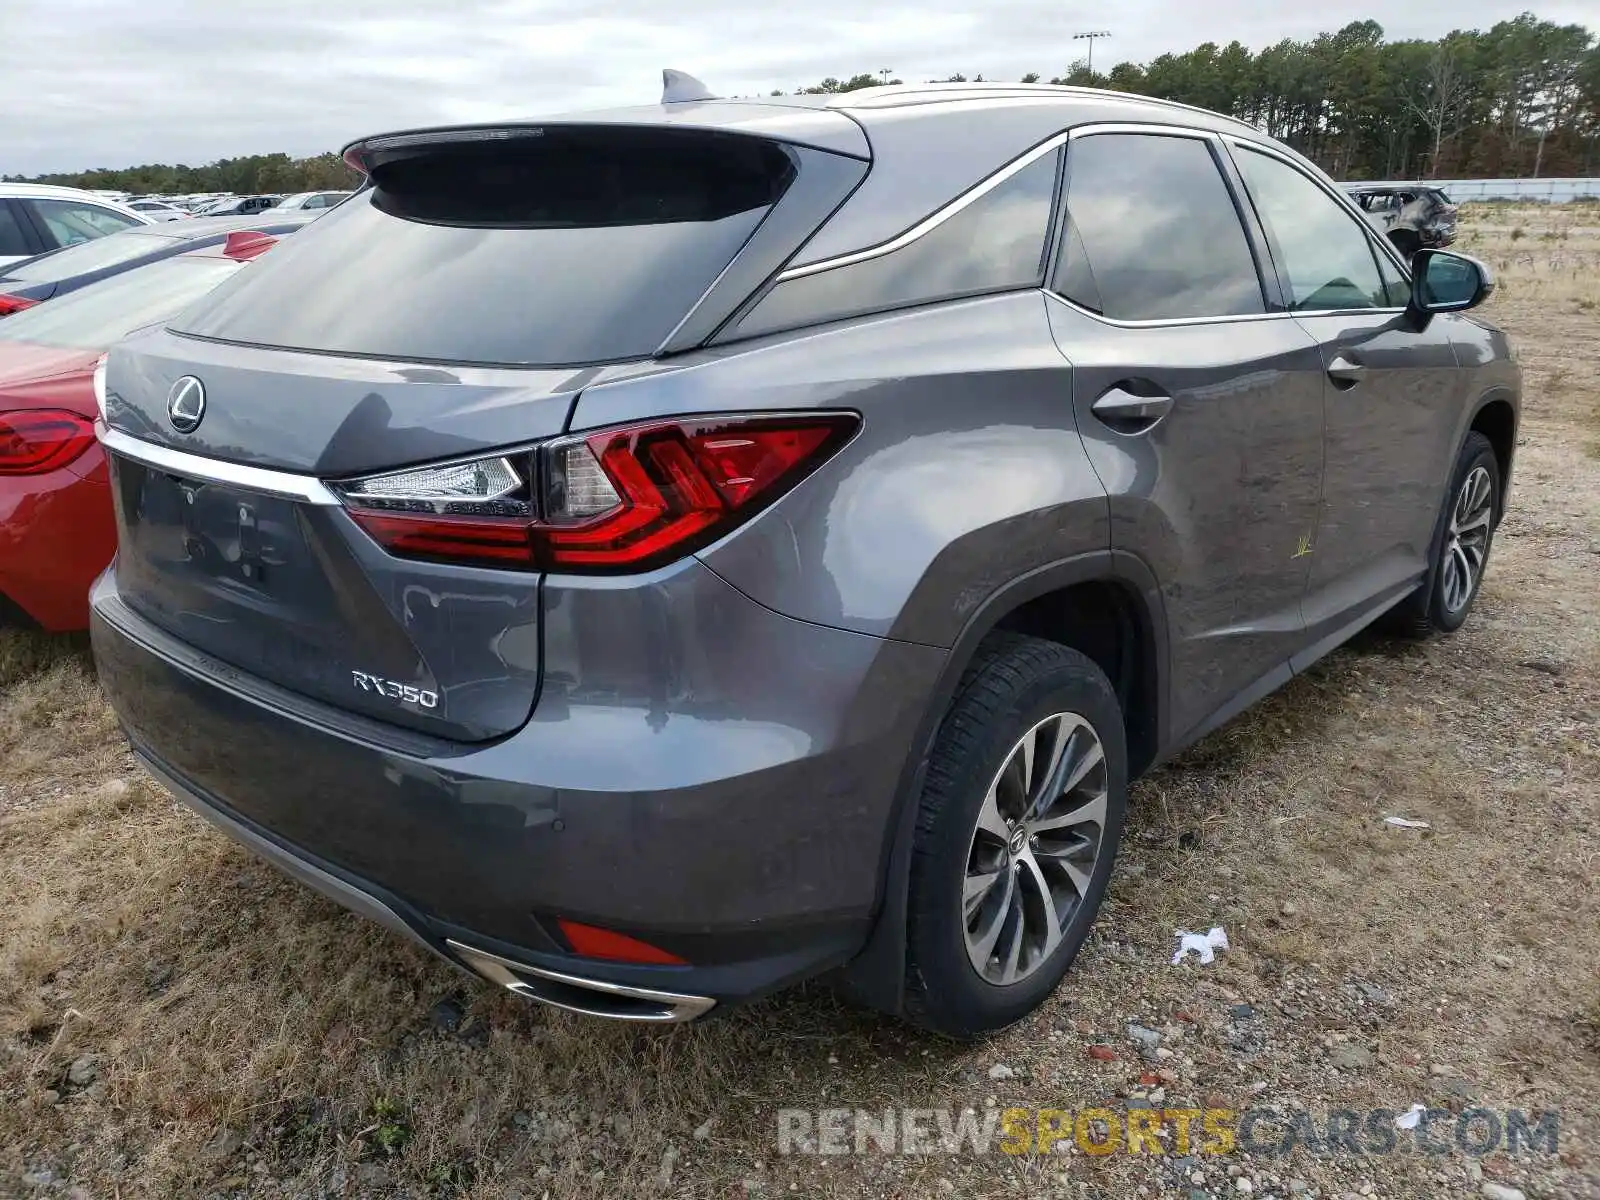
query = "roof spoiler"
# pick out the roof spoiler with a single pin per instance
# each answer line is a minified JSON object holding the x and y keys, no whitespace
{"x":680,"y":87}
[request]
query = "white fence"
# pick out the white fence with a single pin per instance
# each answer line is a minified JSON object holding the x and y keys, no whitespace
{"x":1549,"y":191}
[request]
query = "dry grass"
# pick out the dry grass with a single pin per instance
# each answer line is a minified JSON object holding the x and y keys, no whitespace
{"x":218,"y":997}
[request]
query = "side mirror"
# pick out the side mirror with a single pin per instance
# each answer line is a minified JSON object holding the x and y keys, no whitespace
{"x":1443,"y":282}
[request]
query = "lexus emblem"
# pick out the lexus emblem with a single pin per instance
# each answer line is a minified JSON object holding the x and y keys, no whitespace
{"x":186,"y":404}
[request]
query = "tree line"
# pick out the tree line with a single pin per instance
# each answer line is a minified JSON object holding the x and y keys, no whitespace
{"x":1520,"y":99}
{"x":271,"y":173}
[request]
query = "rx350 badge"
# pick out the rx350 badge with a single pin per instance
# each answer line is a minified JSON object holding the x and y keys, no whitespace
{"x":394,"y":690}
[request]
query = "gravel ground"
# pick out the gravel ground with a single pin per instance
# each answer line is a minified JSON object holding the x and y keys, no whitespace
{"x":177,"y":1020}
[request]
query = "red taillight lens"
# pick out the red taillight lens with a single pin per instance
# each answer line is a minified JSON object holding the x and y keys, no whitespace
{"x":35,"y":441}
{"x":621,"y":500}
{"x":593,"y":942}
{"x":11,"y":304}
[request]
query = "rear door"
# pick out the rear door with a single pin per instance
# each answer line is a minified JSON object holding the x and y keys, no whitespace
{"x":1392,"y":388}
{"x":1200,"y":406}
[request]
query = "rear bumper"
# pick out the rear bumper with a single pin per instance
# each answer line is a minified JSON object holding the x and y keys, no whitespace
{"x":575,"y":993}
{"x":738,"y":820}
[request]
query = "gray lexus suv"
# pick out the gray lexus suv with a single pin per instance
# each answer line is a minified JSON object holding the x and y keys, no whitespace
{"x":656,"y":556}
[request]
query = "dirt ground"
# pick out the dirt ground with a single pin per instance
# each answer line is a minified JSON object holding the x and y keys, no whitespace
{"x":178,"y":1020}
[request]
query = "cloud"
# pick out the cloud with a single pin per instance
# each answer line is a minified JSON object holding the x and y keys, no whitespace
{"x":108,"y":83}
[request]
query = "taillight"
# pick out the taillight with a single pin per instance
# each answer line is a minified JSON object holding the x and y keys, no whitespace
{"x":620,"y":500}
{"x":39,"y":440}
{"x":12,"y":304}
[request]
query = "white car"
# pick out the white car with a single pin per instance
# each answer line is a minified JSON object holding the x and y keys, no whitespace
{"x":310,"y":201}
{"x":36,"y":217}
{"x":159,"y":210}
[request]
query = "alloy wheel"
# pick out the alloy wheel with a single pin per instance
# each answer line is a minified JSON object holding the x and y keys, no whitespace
{"x":1035,"y":848}
{"x":1467,"y":545}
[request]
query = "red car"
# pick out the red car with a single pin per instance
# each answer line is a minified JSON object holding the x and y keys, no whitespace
{"x":56,"y":527}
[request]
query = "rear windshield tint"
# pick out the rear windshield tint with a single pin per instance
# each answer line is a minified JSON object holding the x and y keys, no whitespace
{"x":96,"y":255}
{"x":574,"y":246}
{"x":104,"y":313}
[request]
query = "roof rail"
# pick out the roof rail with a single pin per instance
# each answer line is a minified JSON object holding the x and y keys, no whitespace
{"x":956,"y":90}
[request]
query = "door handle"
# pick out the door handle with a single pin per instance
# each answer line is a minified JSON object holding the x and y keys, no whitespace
{"x":1127,"y":413}
{"x":1345,"y":370}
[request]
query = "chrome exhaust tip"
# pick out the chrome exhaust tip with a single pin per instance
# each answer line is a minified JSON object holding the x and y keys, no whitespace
{"x":590,"y":997}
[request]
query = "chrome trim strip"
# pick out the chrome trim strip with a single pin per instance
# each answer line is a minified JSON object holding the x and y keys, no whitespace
{"x":929,"y":223}
{"x":504,"y":972}
{"x":1228,"y":319}
{"x":305,"y":488}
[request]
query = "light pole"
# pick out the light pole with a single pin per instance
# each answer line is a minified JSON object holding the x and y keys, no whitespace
{"x":1090,"y":36}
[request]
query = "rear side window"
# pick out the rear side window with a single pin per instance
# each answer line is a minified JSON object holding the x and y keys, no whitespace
{"x":575,"y":246}
{"x":1152,"y":232}
{"x":996,"y":243}
{"x":102,"y":314}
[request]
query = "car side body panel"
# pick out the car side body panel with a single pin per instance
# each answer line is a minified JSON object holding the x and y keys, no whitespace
{"x":968,"y":471}
{"x":1388,"y":457}
{"x":1220,"y":496}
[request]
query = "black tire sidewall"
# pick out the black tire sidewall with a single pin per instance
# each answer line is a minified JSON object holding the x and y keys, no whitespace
{"x":955,"y":999}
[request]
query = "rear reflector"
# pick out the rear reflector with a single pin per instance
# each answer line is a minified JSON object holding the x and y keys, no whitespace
{"x":11,"y":304}
{"x":39,"y":440}
{"x":621,"y":500}
{"x":593,"y":942}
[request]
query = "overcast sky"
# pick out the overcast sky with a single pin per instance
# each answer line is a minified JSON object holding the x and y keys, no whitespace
{"x":87,"y":83}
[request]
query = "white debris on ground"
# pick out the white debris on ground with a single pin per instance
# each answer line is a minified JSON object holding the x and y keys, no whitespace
{"x":1205,"y":944}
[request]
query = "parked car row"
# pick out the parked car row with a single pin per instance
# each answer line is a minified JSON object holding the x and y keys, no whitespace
{"x":57,"y":272}
{"x":36,"y":218}
{"x":655,"y":557}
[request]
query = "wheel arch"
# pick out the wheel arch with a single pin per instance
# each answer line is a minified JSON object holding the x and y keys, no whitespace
{"x":1059,"y":592}
{"x":1495,"y":415}
{"x":1496,"y":418}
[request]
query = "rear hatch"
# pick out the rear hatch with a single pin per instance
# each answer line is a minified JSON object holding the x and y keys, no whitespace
{"x":455,"y":307}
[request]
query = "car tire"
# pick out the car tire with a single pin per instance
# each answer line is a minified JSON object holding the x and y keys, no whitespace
{"x":1444,"y":601}
{"x":1016,"y":688}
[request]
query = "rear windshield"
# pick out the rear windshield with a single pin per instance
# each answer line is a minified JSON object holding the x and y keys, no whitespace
{"x":570,"y":246}
{"x":85,"y":257}
{"x":102,"y":314}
